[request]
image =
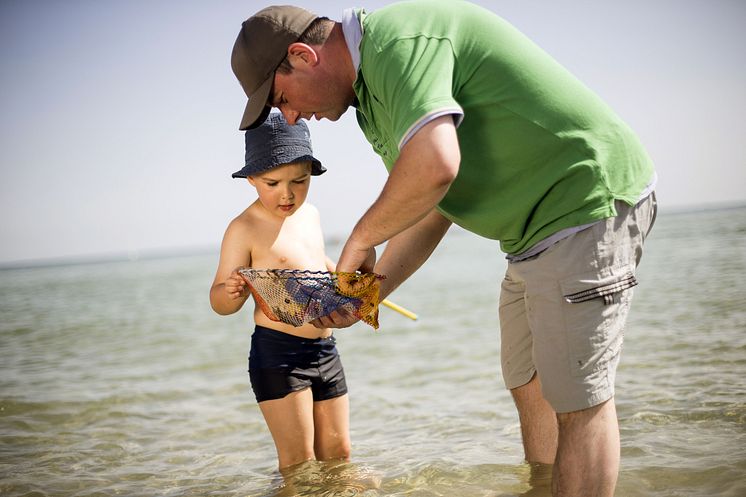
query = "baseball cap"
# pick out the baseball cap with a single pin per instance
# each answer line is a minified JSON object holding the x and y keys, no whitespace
{"x":275,"y":143}
{"x":260,"y":47}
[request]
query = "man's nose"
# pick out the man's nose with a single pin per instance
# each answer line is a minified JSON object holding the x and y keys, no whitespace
{"x":291,"y":116}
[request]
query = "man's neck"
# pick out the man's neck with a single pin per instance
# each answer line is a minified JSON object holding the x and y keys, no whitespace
{"x":339,"y":58}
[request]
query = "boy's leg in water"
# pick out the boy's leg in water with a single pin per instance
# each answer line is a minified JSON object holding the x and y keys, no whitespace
{"x":332,"y":424}
{"x":291,"y":423}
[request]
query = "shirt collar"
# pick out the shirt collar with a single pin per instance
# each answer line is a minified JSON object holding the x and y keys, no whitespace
{"x":352,"y":27}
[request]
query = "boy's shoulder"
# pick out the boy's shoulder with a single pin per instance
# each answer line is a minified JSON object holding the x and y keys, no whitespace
{"x":246,"y":223}
{"x":254,"y":222}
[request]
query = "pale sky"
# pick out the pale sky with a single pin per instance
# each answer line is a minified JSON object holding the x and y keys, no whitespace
{"x":119,"y":118}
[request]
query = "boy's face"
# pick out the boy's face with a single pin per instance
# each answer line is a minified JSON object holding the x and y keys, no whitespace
{"x":283,"y":190}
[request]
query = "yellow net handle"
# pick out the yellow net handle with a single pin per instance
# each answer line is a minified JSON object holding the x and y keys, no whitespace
{"x":401,"y":310}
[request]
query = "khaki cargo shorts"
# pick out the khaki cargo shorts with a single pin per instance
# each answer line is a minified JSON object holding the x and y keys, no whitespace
{"x":563,"y":313}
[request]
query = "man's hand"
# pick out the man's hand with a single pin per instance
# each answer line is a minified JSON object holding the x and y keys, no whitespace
{"x":351,"y":260}
{"x":356,"y":258}
{"x":340,"y":318}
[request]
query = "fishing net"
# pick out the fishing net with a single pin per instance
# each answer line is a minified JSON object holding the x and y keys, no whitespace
{"x":296,"y":296}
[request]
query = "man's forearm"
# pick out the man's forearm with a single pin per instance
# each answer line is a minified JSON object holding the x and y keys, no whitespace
{"x":406,"y":252}
{"x":427,"y":166}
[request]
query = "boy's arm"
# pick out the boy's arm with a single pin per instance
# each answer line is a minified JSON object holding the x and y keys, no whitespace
{"x":229,"y":290}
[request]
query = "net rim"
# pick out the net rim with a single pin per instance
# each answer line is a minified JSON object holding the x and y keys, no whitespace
{"x":303,"y":274}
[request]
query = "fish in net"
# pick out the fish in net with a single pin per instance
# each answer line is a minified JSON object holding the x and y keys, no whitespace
{"x":296,"y":296}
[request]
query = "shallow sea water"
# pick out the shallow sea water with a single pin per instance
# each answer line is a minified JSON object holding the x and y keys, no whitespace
{"x":116,"y":379}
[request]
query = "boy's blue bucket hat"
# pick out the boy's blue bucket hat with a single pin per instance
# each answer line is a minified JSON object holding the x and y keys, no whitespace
{"x":275,"y":143}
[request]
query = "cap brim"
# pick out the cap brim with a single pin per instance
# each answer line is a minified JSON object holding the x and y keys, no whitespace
{"x":257,"y":108}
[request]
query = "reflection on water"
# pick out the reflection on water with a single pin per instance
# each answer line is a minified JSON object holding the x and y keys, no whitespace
{"x":539,"y":481}
{"x":344,"y":479}
{"x":327,"y":479}
{"x":118,"y":379}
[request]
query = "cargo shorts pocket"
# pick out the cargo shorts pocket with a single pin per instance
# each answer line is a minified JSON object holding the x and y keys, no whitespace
{"x":604,"y":289}
{"x":595,"y":311}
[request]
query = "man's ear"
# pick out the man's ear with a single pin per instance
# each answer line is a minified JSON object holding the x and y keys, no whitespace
{"x":302,"y":53}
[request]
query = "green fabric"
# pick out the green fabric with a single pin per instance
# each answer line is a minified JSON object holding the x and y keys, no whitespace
{"x":540,"y":152}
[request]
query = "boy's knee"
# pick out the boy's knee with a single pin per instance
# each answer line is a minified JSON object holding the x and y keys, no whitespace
{"x":293,"y":458}
{"x":340,"y":449}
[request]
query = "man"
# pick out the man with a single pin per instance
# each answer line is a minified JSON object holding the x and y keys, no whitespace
{"x":479,"y":127}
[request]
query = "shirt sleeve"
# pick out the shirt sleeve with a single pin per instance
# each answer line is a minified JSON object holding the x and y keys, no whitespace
{"x":413,"y":78}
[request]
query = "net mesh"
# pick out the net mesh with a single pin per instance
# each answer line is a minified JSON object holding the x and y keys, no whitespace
{"x":296,"y":296}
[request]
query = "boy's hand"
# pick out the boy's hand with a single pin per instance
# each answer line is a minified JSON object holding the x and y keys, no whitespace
{"x":236,"y":286}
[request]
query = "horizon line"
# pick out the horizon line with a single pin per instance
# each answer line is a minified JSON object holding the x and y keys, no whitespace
{"x":195,"y":250}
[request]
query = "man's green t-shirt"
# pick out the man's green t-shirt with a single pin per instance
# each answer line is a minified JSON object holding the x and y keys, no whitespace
{"x":540,"y":152}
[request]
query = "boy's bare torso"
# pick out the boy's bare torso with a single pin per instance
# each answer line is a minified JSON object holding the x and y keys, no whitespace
{"x":294,"y":242}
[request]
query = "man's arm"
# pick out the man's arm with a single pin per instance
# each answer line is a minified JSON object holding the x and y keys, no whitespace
{"x":408,"y":250}
{"x":404,"y":213}
{"x":404,"y":254}
{"x":426,"y":167}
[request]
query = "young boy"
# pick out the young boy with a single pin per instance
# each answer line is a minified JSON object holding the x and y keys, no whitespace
{"x":295,"y":372}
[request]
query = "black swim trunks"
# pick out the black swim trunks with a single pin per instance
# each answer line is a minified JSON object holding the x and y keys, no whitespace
{"x":280,"y":363}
